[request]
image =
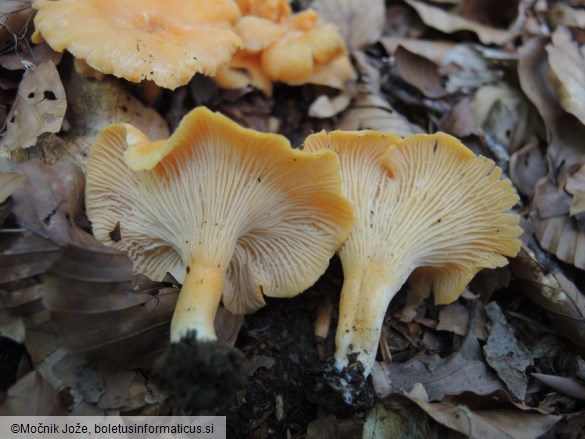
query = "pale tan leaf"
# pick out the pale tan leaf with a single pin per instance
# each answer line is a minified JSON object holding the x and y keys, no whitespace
{"x":434,"y":51}
{"x":567,"y":386}
{"x":359,"y":24}
{"x":454,"y":318}
{"x":449,"y":23}
{"x":555,"y":293}
{"x":419,"y":72}
{"x":565,"y":15}
{"x":324,"y":106}
{"x":39,"y":108}
{"x":575,"y":185}
{"x":556,"y":231}
{"x":9,"y":182}
{"x":568,"y":72}
{"x":371,"y":112}
{"x":32,"y":395}
{"x":527,"y":167}
{"x":504,"y":112}
{"x":92,"y":106}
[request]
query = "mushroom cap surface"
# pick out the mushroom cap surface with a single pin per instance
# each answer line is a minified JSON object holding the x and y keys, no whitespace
{"x":439,"y":209}
{"x":292,"y":59}
{"x":166,"y":42}
{"x":215,"y":191}
{"x":453,"y":212}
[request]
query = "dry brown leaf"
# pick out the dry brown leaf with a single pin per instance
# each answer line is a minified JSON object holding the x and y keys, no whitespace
{"x":567,"y":386}
{"x":575,"y":186}
{"x":31,"y":56}
{"x":419,"y":72}
{"x":91,"y":106}
{"x":32,"y":395}
{"x":565,"y":15}
{"x":323,"y":427}
{"x":434,"y":51}
{"x":12,"y":327}
{"x":454,"y":318}
{"x":460,"y":121}
{"x":504,"y":112}
{"x":556,"y":231}
{"x":15,"y":22}
{"x":449,"y":23}
{"x":439,"y":377}
{"x":360,"y":24}
{"x":528,"y":167}
{"x":9,"y":182}
{"x":555,"y":293}
{"x":39,"y":108}
{"x":505,"y":354}
{"x":567,"y":67}
{"x":499,"y":423}
{"x":88,"y":285}
{"x":466,"y":67}
{"x":371,"y":112}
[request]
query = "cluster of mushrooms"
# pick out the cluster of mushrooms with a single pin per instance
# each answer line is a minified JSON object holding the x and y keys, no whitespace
{"x":234,"y":214}
{"x":240,"y":43}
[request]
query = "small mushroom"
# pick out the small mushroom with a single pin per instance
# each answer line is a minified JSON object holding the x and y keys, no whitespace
{"x":424,"y":203}
{"x":166,"y":42}
{"x":230,"y":212}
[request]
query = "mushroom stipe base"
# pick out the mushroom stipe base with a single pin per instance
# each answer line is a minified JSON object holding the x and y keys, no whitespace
{"x":200,"y":375}
{"x":350,"y":382}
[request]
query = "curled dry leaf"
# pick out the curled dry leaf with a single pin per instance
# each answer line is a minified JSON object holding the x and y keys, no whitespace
{"x":567,"y":386}
{"x":435,"y":51}
{"x":567,"y":68}
{"x":497,"y":423}
{"x":454,"y":318}
{"x":445,"y":22}
{"x":358,"y":23}
{"x":372,"y":112}
{"x":575,"y":186}
{"x":45,"y":207}
{"x":15,"y":22}
{"x":88,"y":285}
{"x":32,"y":395}
{"x":504,"y":112}
{"x":439,"y":377}
{"x":556,"y":231}
{"x":419,"y":72}
{"x":39,"y":108}
{"x":505,"y":354}
{"x":555,"y":293}
{"x":93,"y":105}
{"x":527,"y":167}
{"x":9,"y":182}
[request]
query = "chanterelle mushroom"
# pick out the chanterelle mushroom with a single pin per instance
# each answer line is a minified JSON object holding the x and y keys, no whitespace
{"x":163,"y":41}
{"x":230,"y":212}
{"x":424,"y":202}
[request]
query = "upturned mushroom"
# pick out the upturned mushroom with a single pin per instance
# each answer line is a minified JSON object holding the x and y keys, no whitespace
{"x":424,"y":203}
{"x":232,"y":213}
{"x":166,"y":42}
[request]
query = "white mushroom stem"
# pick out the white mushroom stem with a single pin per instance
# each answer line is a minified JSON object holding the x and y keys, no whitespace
{"x":198,"y":303}
{"x":365,"y":297}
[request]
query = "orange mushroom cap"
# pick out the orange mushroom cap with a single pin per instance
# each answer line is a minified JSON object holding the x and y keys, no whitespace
{"x":293,"y":58}
{"x":244,"y":70}
{"x":277,"y":11}
{"x":424,"y":202}
{"x":166,"y":42}
{"x":230,"y":212}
